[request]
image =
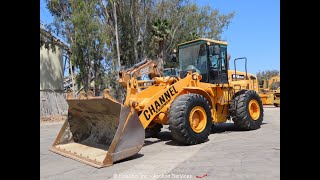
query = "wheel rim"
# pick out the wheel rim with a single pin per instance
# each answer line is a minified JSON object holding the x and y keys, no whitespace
{"x":198,"y":119}
{"x":254,"y":109}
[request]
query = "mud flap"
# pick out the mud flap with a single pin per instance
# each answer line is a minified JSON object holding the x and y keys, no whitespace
{"x":99,"y":131}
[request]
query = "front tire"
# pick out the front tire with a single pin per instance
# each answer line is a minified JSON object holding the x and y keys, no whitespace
{"x":190,"y":119}
{"x":246,"y":110}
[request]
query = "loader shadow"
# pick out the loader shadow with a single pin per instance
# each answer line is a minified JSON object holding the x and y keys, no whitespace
{"x":227,"y":128}
{"x":224,"y":127}
{"x":219,"y":128}
{"x":136,"y":156}
{"x":161,"y":136}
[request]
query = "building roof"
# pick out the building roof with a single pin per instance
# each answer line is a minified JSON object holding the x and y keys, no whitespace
{"x":48,"y":35}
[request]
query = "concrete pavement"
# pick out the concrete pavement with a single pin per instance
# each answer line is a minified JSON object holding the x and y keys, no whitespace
{"x":229,"y":154}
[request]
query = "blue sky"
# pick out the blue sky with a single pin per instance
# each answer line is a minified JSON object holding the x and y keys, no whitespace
{"x":45,"y":15}
{"x":254,"y":32}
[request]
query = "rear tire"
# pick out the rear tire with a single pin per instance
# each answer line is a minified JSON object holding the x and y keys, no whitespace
{"x":186,"y":109}
{"x":246,"y":110}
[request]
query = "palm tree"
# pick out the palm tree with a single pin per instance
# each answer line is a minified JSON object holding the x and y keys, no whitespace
{"x":160,"y":31}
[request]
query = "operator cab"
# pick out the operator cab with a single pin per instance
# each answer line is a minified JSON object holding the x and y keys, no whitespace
{"x":205,"y":56}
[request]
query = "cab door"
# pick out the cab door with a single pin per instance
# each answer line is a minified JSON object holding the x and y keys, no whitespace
{"x":218,"y":67}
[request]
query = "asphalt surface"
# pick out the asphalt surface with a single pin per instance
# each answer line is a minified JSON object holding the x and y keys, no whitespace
{"x":229,"y":154}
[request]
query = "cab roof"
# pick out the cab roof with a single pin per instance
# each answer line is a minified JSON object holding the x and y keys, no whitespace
{"x":205,"y":39}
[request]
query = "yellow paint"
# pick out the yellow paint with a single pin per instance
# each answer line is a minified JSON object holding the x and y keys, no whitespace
{"x":254,"y":109}
{"x":277,"y":102}
{"x":253,"y":83}
{"x":160,"y":97}
{"x":220,"y":114}
{"x":266,"y":92}
{"x":198,"y":119}
{"x":205,"y":39}
{"x":267,"y":99}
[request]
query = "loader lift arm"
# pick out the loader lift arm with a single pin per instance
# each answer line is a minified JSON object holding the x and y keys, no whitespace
{"x":146,"y":69}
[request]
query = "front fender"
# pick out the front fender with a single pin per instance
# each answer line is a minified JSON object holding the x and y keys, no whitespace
{"x":200,"y":91}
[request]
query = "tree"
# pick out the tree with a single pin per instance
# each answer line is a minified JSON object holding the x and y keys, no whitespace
{"x":160,"y":32}
{"x":80,"y":25}
{"x":116,"y":32}
{"x":184,"y":20}
{"x":103,"y":34}
{"x":267,"y":74}
{"x":192,"y":36}
{"x":188,"y":21}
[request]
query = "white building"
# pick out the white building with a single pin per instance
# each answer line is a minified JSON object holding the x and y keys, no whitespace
{"x":52,"y":96}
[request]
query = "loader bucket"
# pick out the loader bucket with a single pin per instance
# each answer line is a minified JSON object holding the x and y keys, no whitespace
{"x":99,"y":131}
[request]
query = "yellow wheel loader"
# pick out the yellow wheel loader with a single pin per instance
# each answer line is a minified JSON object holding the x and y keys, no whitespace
{"x":269,"y":91}
{"x":100,"y":131}
{"x":239,"y":76}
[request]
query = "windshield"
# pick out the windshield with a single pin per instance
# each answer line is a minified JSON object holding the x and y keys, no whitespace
{"x":193,"y":56}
